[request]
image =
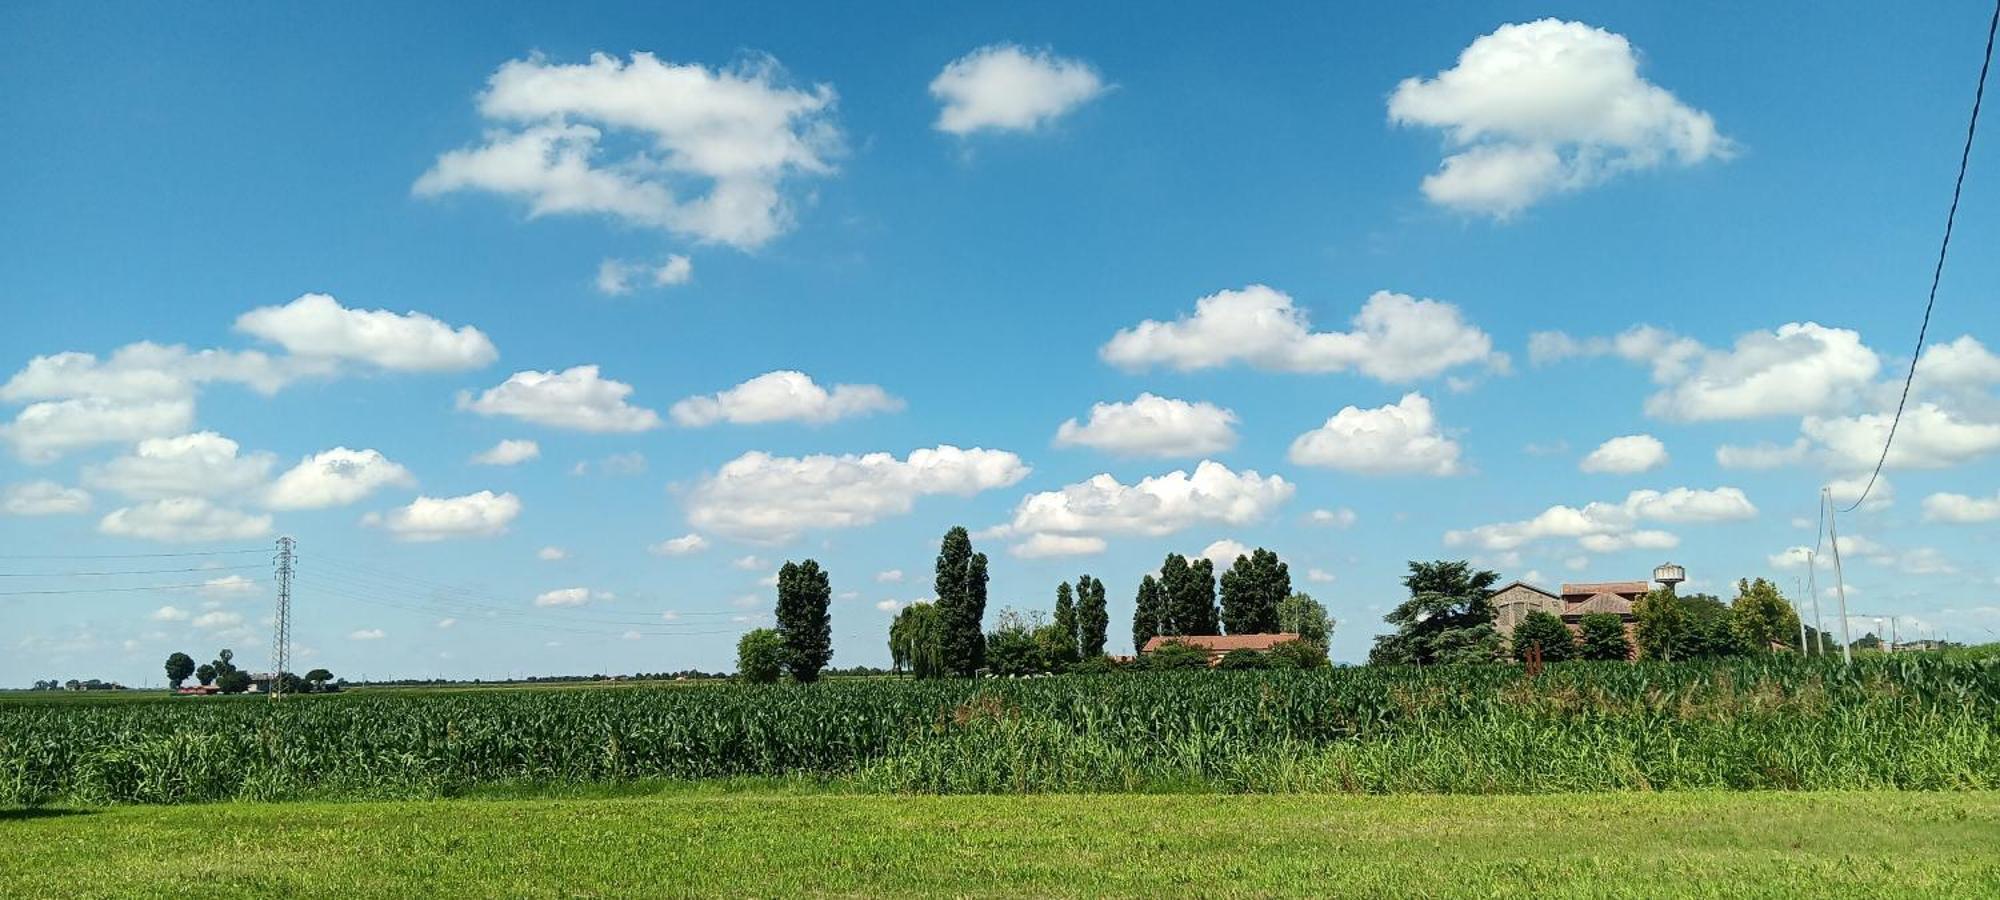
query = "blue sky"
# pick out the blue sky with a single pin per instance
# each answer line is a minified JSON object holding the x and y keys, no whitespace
{"x":1408,"y":267}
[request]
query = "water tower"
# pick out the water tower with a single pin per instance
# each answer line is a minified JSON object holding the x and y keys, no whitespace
{"x":1670,"y":575}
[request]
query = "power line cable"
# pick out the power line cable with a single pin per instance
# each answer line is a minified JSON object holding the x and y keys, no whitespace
{"x":1964,"y":159}
{"x":135,"y":555}
{"x":105,"y":590}
{"x":127,"y":572}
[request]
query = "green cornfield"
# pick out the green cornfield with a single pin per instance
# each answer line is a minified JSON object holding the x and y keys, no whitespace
{"x":1777,"y":723}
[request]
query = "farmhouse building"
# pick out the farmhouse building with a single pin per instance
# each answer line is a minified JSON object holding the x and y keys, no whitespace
{"x":1219,"y":645}
{"x":1513,"y":603}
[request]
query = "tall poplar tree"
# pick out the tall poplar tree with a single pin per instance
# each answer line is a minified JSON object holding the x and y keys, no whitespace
{"x":803,"y":623}
{"x":1065,"y":619}
{"x":961,"y":599}
{"x":1251,"y":591}
{"x":1148,"y":614}
{"x":1091,"y":618}
{"x":1189,"y":586}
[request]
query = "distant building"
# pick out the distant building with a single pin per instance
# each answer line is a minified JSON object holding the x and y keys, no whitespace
{"x":1513,"y":603}
{"x":1219,"y":645}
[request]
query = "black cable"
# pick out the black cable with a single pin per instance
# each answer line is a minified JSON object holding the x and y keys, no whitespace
{"x":1964,"y":159}
{"x":106,"y":590}
{"x":138,"y":555}
{"x":127,"y":572}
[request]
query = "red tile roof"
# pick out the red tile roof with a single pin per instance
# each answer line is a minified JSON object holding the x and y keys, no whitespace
{"x":1600,"y":603}
{"x":1223,"y":643}
{"x":1605,"y":587}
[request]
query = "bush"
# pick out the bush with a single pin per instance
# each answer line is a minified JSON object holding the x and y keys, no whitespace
{"x":1299,"y":654}
{"x":1175,"y":656}
{"x":1545,"y":630}
{"x":1096,"y":665}
{"x":760,"y":656}
{"x":1244,"y":659}
{"x":1603,"y":637}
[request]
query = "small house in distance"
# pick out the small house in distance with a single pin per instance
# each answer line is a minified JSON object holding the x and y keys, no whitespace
{"x":1219,"y":645}
{"x":1514,"y":602}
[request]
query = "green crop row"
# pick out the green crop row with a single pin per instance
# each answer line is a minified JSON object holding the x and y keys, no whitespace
{"x":1767,"y":723}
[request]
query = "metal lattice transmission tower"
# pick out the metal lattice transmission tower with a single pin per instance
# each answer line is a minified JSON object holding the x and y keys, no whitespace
{"x":281,"y":630}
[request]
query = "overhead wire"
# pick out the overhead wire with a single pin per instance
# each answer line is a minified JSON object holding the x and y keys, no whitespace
{"x":1937,"y":273}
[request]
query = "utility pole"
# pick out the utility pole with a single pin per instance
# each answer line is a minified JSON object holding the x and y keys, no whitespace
{"x":1812,"y":584}
{"x":1839,"y":577}
{"x":281,"y":632}
{"x":1799,"y":615}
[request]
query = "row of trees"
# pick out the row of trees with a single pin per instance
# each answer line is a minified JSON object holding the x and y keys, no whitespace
{"x":945,"y":637}
{"x":802,"y":644}
{"x":224,"y":674}
{"x":1256,"y":597}
{"x":1448,"y":619}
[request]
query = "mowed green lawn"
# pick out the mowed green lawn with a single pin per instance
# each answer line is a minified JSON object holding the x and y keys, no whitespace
{"x":1892,"y":844}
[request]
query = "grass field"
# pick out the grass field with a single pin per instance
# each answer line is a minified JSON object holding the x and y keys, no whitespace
{"x":771,"y":844}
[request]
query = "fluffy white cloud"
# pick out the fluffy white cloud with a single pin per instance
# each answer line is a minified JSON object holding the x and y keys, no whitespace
{"x":575,"y":596}
{"x":184,"y":519}
{"x":1320,"y":576}
{"x":43,"y":498}
{"x":218,"y":620}
{"x":1039,"y":546}
{"x":1845,"y":491}
{"x":201,"y":464}
{"x":335,"y":477}
{"x":1626,"y":455}
{"x":739,"y":132}
{"x":483,"y":514}
{"x":758,"y":496}
{"x":227,"y":586}
{"x":889,"y":606}
{"x":1761,"y":455}
{"x":1153,"y":426}
{"x":551,"y":554}
{"x":1224,"y":552}
{"x":1396,"y":338}
{"x":510,"y":452}
{"x":316,"y":326}
{"x":748,"y":563}
{"x":681,"y":546}
{"x":1334,"y":518}
{"x":1959,"y":509}
{"x":367,"y":634}
{"x":575,"y":398}
{"x":784,"y":396}
{"x":1075,"y":518}
{"x":146,"y":371}
{"x":1930,"y":437}
{"x":619,"y":277}
{"x":1798,"y":369}
{"x":1609,"y":527}
{"x":170,"y":614}
{"x":1543,"y":107}
{"x":1004,"y":87}
{"x":1401,"y":438}
{"x":1963,"y":362}
{"x":43,"y":432}
{"x":890,"y":576}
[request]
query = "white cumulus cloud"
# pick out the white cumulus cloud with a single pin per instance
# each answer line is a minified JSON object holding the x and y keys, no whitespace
{"x":1600,"y":527}
{"x":1152,"y":426}
{"x":483,"y":514}
{"x":1396,"y":338}
{"x":1076,"y":518}
{"x":1626,"y":455}
{"x":1005,"y":87}
{"x":758,"y":496}
{"x":43,"y":432}
{"x":1400,"y":438}
{"x":1543,"y":107}
{"x":681,"y":546}
{"x":184,"y":520}
{"x":574,"y":596}
{"x":576,"y":398}
{"x":510,"y":452}
{"x":43,"y":498}
{"x":1960,"y":509}
{"x":316,"y":326}
{"x":200,"y":464}
{"x":784,"y":396}
{"x":711,"y":149}
{"x":335,"y":477}
{"x":618,"y":277}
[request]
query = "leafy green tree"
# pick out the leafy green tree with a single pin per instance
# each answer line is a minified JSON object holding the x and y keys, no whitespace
{"x":1546,"y":630}
{"x":1092,"y":620}
{"x":1148,"y":614}
{"x":318,"y":679}
{"x":1447,"y":620}
{"x":1244,"y":659}
{"x":760,"y":656}
{"x":205,"y":674}
{"x":1011,"y":648}
{"x":1065,"y":619}
{"x":803,"y":596}
{"x":1762,"y":617}
{"x":916,"y":640}
{"x":234,"y":681}
{"x":1661,"y":625}
{"x":223,"y":664}
{"x":1175,"y":656}
{"x":1300,"y":614}
{"x":1189,"y":587}
{"x":1603,"y":637}
{"x":1252,"y":589}
{"x":179,"y":667}
{"x":1869,"y":641}
{"x":961,"y":599}
{"x":1299,"y":654}
{"x":1711,"y":629}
